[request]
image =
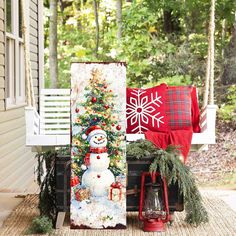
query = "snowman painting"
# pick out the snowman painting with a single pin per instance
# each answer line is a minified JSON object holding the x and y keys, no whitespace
{"x":97,"y":178}
{"x":98,"y":167}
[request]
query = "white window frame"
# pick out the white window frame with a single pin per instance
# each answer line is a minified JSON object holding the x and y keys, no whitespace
{"x":15,"y":75}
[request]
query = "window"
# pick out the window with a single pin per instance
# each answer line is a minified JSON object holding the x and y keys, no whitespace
{"x":15,"y":65}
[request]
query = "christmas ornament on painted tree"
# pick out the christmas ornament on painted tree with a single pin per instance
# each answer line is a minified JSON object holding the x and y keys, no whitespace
{"x":98,"y":105}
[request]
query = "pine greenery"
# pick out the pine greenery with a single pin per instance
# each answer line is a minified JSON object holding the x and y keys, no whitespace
{"x":47,"y":182}
{"x":169,"y":165}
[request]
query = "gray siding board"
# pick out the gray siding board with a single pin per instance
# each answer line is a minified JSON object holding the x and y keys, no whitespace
{"x":11,"y":125}
{"x":2,"y":48}
{"x":36,"y":91}
{"x":33,"y":40}
{"x":2,"y":70}
{"x":35,"y":1}
{"x":11,"y":161}
{"x":11,"y":177}
{"x":33,"y":48}
{"x":2,"y":4}
{"x":2,"y":105}
{"x":2,"y":59}
{"x":2,"y":93}
{"x":2,"y":82}
{"x":33,"y":23}
{"x":34,"y":65}
{"x":35,"y":73}
{"x":2,"y":26}
{"x":33,"y":7}
{"x":12,"y":114}
{"x":7,"y":148}
{"x":26,"y":178}
{"x":2,"y":37}
{"x":34,"y":15}
{"x":2,"y":13}
{"x":34,"y":32}
{"x":34,"y":57}
{"x":35,"y":82}
{"x":16,"y":160}
{"x":5,"y":139}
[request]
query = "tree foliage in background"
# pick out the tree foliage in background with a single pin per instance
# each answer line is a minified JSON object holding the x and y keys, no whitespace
{"x":160,"y":40}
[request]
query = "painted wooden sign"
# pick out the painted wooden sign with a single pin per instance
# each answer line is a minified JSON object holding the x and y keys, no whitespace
{"x":98,"y":178}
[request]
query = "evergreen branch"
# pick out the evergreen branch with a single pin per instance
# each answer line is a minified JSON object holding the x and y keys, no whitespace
{"x":169,"y":165}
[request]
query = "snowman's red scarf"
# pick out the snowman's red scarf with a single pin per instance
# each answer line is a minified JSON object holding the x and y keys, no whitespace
{"x":98,"y":150}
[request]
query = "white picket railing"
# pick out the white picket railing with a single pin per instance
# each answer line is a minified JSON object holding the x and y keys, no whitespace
{"x":52,"y":126}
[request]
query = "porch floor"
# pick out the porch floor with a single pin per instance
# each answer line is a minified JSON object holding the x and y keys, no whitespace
{"x":222,"y":219}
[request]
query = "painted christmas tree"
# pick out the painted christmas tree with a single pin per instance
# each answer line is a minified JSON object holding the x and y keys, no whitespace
{"x":98,"y":110}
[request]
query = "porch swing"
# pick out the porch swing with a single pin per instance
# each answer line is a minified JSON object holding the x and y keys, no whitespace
{"x":50,"y":127}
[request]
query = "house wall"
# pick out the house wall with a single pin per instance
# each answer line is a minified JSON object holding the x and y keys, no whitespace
{"x":16,"y":160}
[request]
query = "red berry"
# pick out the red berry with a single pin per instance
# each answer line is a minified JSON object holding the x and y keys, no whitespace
{"x":77,"y":110}
{"x":98,"y":176}
{"x":95,"y":118}
{"x":113,"y":124}
{"x":94,"y":99}
{"x":118,"y":127}
{"x":104,"y":124}
{"x":106,"y":106}
{"x":105,"y":86}
{"x":98,"y":157}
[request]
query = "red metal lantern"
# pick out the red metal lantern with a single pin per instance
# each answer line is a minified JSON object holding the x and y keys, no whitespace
{"x":153,"y":202}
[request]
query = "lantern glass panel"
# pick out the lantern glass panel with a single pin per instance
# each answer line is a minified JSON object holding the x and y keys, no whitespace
{"x":153,"y":204}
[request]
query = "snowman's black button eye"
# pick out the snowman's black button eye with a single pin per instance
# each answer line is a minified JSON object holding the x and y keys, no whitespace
{"x":100,"y":136}
{"x":95,"y":136}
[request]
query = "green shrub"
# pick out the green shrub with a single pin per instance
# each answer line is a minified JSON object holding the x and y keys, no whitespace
{"x":227,"y":110}
{"x":40,"y":225}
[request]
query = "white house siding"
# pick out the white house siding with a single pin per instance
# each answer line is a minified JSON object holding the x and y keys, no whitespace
{"x":16,"y":160}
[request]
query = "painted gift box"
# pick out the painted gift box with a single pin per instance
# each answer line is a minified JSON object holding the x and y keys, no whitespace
{"x":116,"y":192}
{"x":82,"y":194}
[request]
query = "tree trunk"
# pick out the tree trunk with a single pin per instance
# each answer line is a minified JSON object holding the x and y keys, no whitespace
{"x":168,"y":26}
{"x":119,"y":19}
{"x":229,"y":72}
{"x":95,"y":6}
{"x":209,"y":81}
{"x":212,"y":42}
{"x":171,"y":22}
{"x":223,"y":33}
{"x":53,"y":64}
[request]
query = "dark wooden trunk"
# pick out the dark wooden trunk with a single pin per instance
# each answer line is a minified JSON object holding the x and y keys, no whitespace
{"x":135,"y":168}
{"x":63,"y":173}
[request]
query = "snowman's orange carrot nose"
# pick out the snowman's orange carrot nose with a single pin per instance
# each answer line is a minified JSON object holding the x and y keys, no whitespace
{"x":99,"y":139}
